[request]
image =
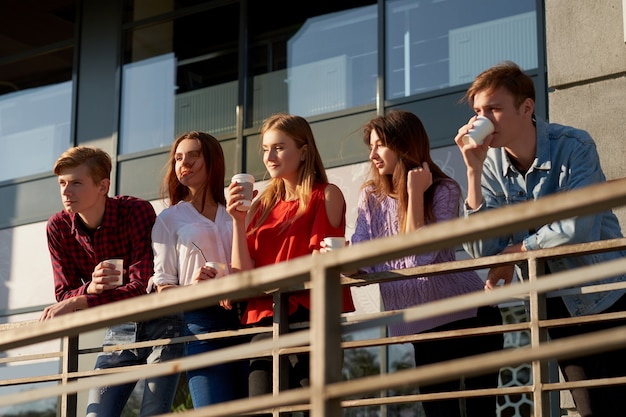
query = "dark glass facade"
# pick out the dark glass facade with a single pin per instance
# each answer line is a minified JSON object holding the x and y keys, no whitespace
{"x":131,"y":75}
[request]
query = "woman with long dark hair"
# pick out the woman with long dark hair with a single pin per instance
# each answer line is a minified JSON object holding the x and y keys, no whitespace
{"x":407,"y":191}
{"x":193,"y":229}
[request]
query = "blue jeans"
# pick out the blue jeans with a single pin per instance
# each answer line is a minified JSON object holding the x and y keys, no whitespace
{"x":222,"y":382}
{"x":158,"y":395}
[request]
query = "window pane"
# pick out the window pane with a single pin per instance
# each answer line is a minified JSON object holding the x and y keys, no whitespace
{"x":318,"y":59}
{"x":147,"y":104}
{"x":34,"y":129}
{"x":35,"y":86}
{"x":178,"y":76}
{"x":26,"y":26}
{"x":437,"y":44}
{"x":332,"y":62}
{"x":143,"y":9}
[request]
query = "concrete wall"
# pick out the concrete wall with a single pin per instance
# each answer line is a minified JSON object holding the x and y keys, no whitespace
{"x":586,"y":58}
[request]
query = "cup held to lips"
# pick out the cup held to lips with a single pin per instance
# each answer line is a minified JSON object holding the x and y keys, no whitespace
{"x":247,"y":182}
{"x":333,"y":243}
{"x":119,"y":265}
{"x":481,"y":128}
{"x":218,"y":266}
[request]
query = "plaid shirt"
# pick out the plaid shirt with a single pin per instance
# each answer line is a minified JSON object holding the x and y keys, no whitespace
{"x":124,"y":233}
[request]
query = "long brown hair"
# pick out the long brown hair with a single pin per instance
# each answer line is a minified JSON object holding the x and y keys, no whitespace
{"x":403,"y":133}
{"x":310,"y":171}
{"x":213,"y":155}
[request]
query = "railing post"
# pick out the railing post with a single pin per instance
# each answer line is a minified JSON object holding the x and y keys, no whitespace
{"x":538,"y":336}
{"x":280,"y":363}
{"x":326,"y":355}
{"x":69,"y":363}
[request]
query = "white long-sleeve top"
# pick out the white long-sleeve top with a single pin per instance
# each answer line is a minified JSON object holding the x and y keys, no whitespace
{"x":176,"y":230}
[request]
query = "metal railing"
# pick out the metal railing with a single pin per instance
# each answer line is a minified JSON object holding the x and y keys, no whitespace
{"x":328,"y":393}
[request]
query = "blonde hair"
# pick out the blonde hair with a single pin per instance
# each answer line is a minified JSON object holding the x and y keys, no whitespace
{"x":310,"y":171}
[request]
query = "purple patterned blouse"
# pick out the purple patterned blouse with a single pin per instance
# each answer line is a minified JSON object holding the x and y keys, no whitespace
{"x":378,"y":219}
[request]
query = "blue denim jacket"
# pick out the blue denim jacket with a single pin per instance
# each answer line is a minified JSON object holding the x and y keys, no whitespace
{"x":566,"y":159}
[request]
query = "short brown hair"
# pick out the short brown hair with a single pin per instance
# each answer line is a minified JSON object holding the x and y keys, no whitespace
{"x":97,"y":161}
{"x":507,"y":75}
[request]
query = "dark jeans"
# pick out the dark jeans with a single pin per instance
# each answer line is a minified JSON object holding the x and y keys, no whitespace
{"x":222,"y":382}
{"x":158,"y":395}
{"x":260,"y":377}
{"x":606,"y":401}
{"x":434,"y":351}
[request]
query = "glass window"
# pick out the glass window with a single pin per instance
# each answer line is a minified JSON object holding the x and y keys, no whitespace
{"x":319,"y":58}
{"x":34,"y":129}
{"x":142,"y":9}
{"x":180,"y":75}
{"x":35,"y":86}
{"x":441,"y":43}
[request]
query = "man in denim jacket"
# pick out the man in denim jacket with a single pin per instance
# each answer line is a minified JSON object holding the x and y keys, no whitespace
{"x":524,"y":159}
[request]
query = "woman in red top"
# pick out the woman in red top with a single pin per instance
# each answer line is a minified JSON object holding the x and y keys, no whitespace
{"x":297,"y":209}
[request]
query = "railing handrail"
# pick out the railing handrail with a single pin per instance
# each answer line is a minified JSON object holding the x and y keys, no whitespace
{"x":247,"y":284}
{"x":322,"y":268}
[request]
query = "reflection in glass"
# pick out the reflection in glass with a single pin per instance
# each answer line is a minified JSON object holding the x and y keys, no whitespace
{"x":180,"y":75}
{"x":36,"y":122}
{"x":148,"y":104}
{"x":317,"y":59}
{"x":436,"y":44}
{"x":36,"y":68}
{"x":332,"y":62}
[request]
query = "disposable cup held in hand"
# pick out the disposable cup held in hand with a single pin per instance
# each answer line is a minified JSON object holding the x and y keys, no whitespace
{"x":119,"y":265}
{"x":218,"y":266}
{"x":247,"y":182}
{"x":480,"y":130}
{"x":333,"y":243}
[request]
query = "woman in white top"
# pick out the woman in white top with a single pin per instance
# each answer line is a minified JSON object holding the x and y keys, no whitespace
{"x":193,"y":230}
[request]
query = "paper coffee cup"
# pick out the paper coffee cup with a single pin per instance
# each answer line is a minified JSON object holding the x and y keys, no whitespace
{"x":333,"y":243}
{"x":482,"y":127}
{"x":218,"y":266}
{"x":119,"y":265}
{"x":247,"y":182}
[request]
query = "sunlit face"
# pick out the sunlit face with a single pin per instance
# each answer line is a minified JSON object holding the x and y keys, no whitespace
{"x":383,"y":158}
{"x":79,"y":193}
{"x":281,"y":155}
{"x":189,"y":164}
{"x":508,"y":120}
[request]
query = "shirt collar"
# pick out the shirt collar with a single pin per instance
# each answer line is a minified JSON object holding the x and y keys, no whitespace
{"x":542,"y":158}
{"x":108,"y":220}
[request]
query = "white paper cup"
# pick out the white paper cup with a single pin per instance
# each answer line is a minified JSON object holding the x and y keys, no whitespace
{"x":119,"y":265}
{"x":247,"y":182}
{"x":481,"y":128}
{"x":218,"y":266}
{"x":333,"y":243}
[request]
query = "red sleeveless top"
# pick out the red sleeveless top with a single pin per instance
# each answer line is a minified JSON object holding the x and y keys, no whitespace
{"x":280,"y":239}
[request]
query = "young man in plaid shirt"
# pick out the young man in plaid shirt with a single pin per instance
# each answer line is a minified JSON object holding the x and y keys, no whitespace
{"x":92,"y":228}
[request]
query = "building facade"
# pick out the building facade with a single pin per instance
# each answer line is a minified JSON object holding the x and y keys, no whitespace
{"x":128,"y":76}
